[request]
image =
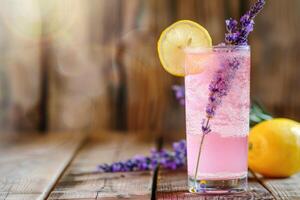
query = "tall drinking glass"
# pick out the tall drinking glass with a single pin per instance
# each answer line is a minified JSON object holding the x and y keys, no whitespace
{"x":217,"y":89}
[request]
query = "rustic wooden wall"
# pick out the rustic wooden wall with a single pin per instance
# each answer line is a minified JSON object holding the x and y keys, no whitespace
{"x":81,"y":65}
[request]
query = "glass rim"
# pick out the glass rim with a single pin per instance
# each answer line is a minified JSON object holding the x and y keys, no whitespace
{"x":231,"y":46}
{"x":197,"y":49}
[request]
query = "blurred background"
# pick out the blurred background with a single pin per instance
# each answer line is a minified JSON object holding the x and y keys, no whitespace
{"x":92,"y":65}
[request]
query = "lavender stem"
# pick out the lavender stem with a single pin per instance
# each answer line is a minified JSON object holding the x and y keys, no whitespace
{"x":199,"y":152}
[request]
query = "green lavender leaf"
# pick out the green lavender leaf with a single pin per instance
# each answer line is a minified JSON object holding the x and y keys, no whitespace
{"x":258,"y":114}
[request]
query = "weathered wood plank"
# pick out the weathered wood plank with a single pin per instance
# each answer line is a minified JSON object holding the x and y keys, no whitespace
{"x":31,"y":164}
{"x":173,"y":185}
{"x":5,"y":196}
{"x":287,"y":188}
{"x":82,"y":181}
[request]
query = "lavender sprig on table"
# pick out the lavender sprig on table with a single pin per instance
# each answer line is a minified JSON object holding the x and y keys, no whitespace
{"x":166,"y":159}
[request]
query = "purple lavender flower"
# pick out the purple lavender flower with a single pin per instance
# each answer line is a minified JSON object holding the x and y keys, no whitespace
{"x":256,"y":8}
{"x":166,"y":159}
{"x":232,"y":29}
{"x":237,"y":34}
{"x":231,"y":25}
{"x":179,"y":93}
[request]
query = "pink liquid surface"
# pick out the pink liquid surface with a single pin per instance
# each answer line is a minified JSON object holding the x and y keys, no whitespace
{"x":224,"y":151}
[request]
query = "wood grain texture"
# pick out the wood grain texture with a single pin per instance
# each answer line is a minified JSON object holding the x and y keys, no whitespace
{"x":82,"y":181}
{"x":286,"y":188}
{"x":31,"y":164}
{"x":173,"y":185}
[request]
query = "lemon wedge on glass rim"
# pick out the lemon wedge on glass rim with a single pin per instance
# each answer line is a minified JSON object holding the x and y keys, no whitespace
{"x":175,"y":39}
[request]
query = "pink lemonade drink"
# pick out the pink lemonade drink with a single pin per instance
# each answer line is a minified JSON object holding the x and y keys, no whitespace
{"x":220,"y":164}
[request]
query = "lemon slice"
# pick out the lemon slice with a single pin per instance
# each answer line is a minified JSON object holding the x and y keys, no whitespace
{"x":174,"y":39}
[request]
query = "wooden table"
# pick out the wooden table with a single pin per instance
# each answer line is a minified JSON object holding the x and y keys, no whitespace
{"x":63,"y":166}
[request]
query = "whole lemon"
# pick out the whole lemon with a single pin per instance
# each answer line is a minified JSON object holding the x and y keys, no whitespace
{"x":274,"y":148}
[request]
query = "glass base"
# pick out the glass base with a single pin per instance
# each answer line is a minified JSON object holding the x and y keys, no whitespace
{"x":235,"y":185}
